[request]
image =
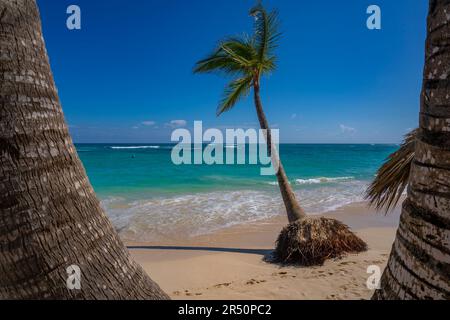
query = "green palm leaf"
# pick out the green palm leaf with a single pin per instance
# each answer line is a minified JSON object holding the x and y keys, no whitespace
{"x":235,"y":90}
{"x":392,"y":178}
{"x":233,"y":55}
{"x":245,"y":57}
{"x":266,"y":31}
{"x":218,"y":61}
{"x":241,"y":51}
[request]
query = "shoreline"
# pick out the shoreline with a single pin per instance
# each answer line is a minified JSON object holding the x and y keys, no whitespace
{"x":228,"y":264}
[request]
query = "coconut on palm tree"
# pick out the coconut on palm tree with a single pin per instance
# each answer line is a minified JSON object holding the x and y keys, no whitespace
{"x":51,"y":221}
{"x":419,"y":264}
{"x":305,"y":240}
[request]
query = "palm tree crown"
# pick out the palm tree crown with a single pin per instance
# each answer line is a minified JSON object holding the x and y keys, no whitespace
{"x":246,"y":58}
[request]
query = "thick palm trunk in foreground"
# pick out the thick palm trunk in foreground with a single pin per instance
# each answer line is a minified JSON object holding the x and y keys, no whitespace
{"x":419,"y":264}
{"x":293,"y":209}
{"x":50,"y":217}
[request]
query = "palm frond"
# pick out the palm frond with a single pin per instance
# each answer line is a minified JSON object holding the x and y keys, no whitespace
{"x":266,"y":31}
{"x":392,"y":178}
{"x":240,"y":51}
{"x":218,"y":61}
{"x":234,"y":55}
{"x":269,"y":64}
{"x":234,"y":91}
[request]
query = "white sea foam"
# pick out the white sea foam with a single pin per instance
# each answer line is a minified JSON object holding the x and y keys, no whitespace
{"x":275,"y":183}
{"x":322,"y":180}
{"x":136,"y":147}
{"x":178,"y":217}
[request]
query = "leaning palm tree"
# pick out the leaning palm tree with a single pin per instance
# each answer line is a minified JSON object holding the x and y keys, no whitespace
{"x":392,"y":178}
{"x":51,"y":221}
{"x":419,"y":264}
{"x":305,"y":240}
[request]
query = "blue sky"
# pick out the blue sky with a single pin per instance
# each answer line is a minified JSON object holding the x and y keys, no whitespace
{"x":126,"y":76}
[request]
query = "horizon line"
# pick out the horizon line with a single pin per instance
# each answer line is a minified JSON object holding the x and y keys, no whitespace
{"x":175,"y":143}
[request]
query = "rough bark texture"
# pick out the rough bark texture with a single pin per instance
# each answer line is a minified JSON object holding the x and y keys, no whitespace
{"x":50,"y":217}
{"x":419,"y":264}
{"x":293,"y":209}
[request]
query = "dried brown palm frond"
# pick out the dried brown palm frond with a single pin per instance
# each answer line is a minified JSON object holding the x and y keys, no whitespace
{"x":311,"y":241}
{"x":392,"y":178}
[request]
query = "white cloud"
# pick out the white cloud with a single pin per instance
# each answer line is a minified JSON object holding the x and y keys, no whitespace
{"x":149,"y":123}
{"x":176,"y":123}
{"x":347,"y":129}
{"x":135,"y":127}
{"x":299,"y":128}
{"x":244,"y":126}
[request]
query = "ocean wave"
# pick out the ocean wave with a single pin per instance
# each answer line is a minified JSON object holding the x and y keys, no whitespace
{"x":322,"y":180}
{"x":135,"y":147}
{"x":182,"y":216}
{"x":275,"y":183}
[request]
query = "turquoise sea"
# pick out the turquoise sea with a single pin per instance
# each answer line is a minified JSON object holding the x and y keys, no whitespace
{"x":149,"y":198}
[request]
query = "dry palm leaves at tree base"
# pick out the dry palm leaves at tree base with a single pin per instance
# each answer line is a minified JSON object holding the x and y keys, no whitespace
{"x":311,"y":241}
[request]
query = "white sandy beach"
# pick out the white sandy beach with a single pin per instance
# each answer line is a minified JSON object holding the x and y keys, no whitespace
{"x":229,"y":264}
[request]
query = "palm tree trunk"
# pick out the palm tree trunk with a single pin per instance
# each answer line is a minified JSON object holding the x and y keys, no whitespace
{"x":50,"y":217}
{"x":419,"y":264}
{"x":293,"y":209}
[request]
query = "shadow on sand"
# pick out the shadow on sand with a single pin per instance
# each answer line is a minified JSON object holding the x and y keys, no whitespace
{"x":263,"y":252}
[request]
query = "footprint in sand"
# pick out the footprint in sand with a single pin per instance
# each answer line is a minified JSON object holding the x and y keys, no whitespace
{"x":281,"y":273}
{"x":379,"y":261}
{"x":187,"y":293}
{"x":220,"y":285}
{"x":321,"y":274}
{"x":254,"y":281}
